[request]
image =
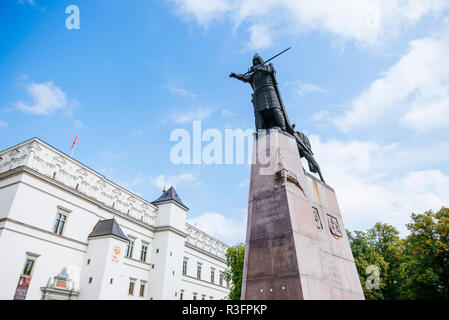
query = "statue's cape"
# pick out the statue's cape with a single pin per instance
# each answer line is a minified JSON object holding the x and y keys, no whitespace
{"x":288,"y":125}
{"x":306,"y":150}
{"x":278,"y":93}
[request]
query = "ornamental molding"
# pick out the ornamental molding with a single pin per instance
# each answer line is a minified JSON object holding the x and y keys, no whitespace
{"x":82,"y":171}
{"x":60,"y":159}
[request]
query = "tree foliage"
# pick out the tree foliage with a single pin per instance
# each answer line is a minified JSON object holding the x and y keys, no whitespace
{"x":386,"y":241}
{"x":365,"y":255}
{"x":427,"y":256}
{"x":235,"y":258}
{"x":415,"y":267}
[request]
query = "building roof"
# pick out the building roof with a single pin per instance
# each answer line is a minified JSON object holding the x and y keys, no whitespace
{"x":107,"y":228}
{"x":168,"y":195}
{"x":69,"y":158}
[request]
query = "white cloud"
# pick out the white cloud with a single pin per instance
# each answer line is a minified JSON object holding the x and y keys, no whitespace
{"x":32,"y":3}
{"x":3,"y":124}
{"x":427,"y":116}
{"x":320,"y":116}
{"x":175,"y":88}
{"x":189,"y":116}
{"x":114,"y":155}
{"x":244,"y":183}
{"x":223,"y":228}
{"x":365,"y":21}
{"x":162,"y":181}
{"x":227,"y":113}
{"x":202,"y":11}
{"x":138,"y":133}
{"x":382,"y":183}
{"x":26,"y":1}
{"x":79,"y":125}
{"x":302,"y":88}
{"x":260,"y":37}
{"x":47,"y":98}
{"x":134,"y":182}
{"x":415,"y":90}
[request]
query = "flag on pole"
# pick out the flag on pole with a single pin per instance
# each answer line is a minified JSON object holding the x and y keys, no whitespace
{"x":73,"y":146}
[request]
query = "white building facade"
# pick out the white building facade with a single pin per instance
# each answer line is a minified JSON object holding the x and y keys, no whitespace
{"x":66,"y":232}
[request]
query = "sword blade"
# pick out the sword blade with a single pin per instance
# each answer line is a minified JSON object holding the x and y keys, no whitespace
{"x":271,"y":59}
{"x":277,"y":55}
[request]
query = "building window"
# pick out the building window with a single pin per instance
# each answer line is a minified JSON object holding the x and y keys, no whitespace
{"x":212,"y":275}
{"x":194,"y":295}
{"x":131,"y":287}
{"x":181,"y":295}
{"x":142,"y":290}
{"x":143,"y":253}
{"x":221,"y":279}
{"x":90,"y":279}
{"x":184,"y":266}
{"x":28,"y":268}
{"x":198,"y":271}
{"x":129,"y":250}
{"x":61,"y":219}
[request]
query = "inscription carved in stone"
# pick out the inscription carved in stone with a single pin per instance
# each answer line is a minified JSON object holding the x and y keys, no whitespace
{"x":269,"y":209}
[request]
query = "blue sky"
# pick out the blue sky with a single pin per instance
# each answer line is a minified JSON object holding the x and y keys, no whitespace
{"x":368,"y":81}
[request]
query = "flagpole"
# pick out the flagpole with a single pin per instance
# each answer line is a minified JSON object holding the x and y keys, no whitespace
{"x":74,"y":146}
{"x":73,"y":150}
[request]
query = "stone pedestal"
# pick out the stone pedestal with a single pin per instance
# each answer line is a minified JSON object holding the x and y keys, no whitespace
{"x":296,"y":244}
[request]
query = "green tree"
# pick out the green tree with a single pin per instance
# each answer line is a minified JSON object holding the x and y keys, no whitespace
{"x":235,"y":258}
{"x":365,"y":255}
{"x":386,"y":242}
{"x":427,"y":249}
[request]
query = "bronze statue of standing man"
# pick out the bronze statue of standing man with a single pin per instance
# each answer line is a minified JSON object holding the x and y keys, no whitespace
{"x":266,"y":100}
{"x":269,"y":110}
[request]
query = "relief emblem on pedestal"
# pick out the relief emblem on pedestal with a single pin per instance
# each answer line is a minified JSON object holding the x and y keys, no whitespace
{"x":319,"y":225}
{"x":334,"y":227}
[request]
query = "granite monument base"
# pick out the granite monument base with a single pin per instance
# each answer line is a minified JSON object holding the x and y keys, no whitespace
{"x":296,"y":244}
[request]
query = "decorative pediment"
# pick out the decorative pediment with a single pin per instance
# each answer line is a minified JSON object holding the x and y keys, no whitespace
{"x":117,"y":192}
{"x":102,"y":183}
{"x":13,"y":153}
{"x":34,"y":146}
{"x":82,"y":171}
{"x":132,"y":199}
{"x":60,"y":159}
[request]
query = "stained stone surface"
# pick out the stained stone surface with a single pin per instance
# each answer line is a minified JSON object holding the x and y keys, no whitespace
{"x":296,"y":244}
